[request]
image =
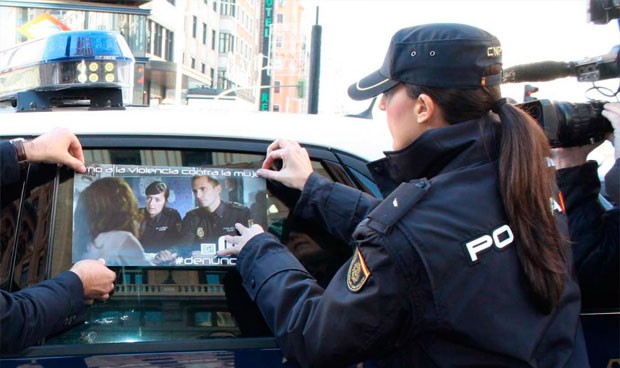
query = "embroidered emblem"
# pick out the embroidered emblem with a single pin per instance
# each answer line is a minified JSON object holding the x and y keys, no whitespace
{"x":200,"y":232}
{"x":358,"y":272}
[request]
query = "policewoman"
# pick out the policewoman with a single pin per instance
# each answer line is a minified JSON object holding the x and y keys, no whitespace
{"x":463,"y":263}
{"x":161,"y":225}
{"x":212,"y":218}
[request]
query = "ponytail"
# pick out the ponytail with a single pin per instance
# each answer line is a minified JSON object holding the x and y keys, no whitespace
{"x":527,"y":187}
{"x":527,"y":183}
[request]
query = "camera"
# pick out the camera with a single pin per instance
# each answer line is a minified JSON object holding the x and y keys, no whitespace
{"x":569,"y":124}
{"x":603,"y":11}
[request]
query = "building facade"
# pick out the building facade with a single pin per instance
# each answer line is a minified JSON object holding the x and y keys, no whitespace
{"x":210,"y":52}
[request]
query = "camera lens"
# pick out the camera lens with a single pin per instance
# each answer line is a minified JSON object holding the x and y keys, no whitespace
{"x":581,"y":123}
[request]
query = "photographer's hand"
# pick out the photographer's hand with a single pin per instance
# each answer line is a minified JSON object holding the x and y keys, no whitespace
{"x":565,"y":157}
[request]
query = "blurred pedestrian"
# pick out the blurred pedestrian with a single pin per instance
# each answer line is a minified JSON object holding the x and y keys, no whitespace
{"x":106,"y":224}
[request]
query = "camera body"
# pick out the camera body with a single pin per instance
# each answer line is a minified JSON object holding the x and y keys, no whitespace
{"x":569,"y":124}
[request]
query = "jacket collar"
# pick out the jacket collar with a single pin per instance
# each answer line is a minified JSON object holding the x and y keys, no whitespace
{"x":437,"y":150}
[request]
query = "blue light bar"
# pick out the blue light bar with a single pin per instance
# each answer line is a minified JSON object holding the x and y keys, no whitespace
{"x":77,"y":45}
{"x":65,"y":60}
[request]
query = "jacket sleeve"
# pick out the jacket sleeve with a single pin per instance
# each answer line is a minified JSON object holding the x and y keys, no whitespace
{"x":327,"y":327}
{"x":185,"y":241}
{"x":334,"y":206}
{"x":594,"y":233}
{"x":612,"y":185}
{"x":9,"y":167}
{"x":31,"y":314}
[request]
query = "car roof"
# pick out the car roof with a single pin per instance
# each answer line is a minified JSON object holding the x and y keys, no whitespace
{"x":365,"y":138}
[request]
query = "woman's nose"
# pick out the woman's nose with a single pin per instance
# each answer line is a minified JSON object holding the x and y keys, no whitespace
{"x":382,"y":102}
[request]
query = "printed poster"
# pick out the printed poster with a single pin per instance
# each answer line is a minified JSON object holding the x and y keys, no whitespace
{"x":163,"y":216}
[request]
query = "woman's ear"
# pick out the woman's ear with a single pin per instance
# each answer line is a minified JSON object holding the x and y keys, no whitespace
{"x":424,"y":108}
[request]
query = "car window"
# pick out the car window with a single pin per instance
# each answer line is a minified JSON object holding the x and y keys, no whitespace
{"x":160,"y":303}
{"x":25,"y":228}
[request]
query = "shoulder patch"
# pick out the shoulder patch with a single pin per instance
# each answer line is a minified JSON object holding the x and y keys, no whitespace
{"x":358,"y":272}
{"x":397,"y":204}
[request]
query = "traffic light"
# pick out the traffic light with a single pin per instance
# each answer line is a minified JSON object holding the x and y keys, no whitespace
{"x":528,"y":91}
{"x":301,"y":88}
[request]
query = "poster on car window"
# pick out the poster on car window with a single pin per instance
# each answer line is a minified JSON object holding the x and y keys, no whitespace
{"x":163,"y":216}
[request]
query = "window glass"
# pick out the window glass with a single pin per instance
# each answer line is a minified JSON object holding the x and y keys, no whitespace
{"x":8,"y":232}
{"x":186,"y":302}
{"x":28,"y":260}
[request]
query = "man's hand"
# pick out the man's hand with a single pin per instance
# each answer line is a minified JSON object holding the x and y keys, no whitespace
{"x":58,"y":146}
{"x":239,"y":242}
{"x":565,"y":157}
{"x":97,"y":279}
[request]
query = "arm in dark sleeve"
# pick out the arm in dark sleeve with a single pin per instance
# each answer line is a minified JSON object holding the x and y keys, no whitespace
{"x":185,"y":242}
{"x":246,"y":216}
{"x":34,"y":313}
{"x":335,"y":207}
{"x":612,"y":187}
{"x":594,"y":233}
{"x":174,"y":232}
{"x":9,"y":167}
{"x":327,"y":327}
{"x":9,"y":174}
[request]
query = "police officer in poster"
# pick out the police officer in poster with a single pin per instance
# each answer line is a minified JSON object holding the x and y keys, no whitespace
{"x":213,"y":218}
{"x":161,"y":226}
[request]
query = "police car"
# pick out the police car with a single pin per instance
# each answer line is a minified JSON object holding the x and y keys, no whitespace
{"x":179,"y":314}
{"x":185,"y":314}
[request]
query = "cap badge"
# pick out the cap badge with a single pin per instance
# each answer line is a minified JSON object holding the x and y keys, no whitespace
{"x":358,"y":272}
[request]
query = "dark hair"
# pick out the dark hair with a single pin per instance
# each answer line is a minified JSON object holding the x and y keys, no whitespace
{"x":157,"y":187}
{"x":527,"y":183}
{"x":210,"y":179}
{"x":105,"y":205}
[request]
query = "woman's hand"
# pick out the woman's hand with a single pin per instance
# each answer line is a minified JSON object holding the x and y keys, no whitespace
{"x":238,"y":242}
{"x":296,"y":165}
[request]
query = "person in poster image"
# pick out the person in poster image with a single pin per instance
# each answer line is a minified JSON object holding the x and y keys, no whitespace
{"x":212,"y":218}
{"x":106,"y":222}
{"x":160,"y":228}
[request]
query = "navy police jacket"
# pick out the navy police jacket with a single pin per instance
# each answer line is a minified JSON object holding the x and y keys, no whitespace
{"x":434,"y":280}
{"x":201,"y":226}
{"x":595,"y":233}
{"x":160,"y":232}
